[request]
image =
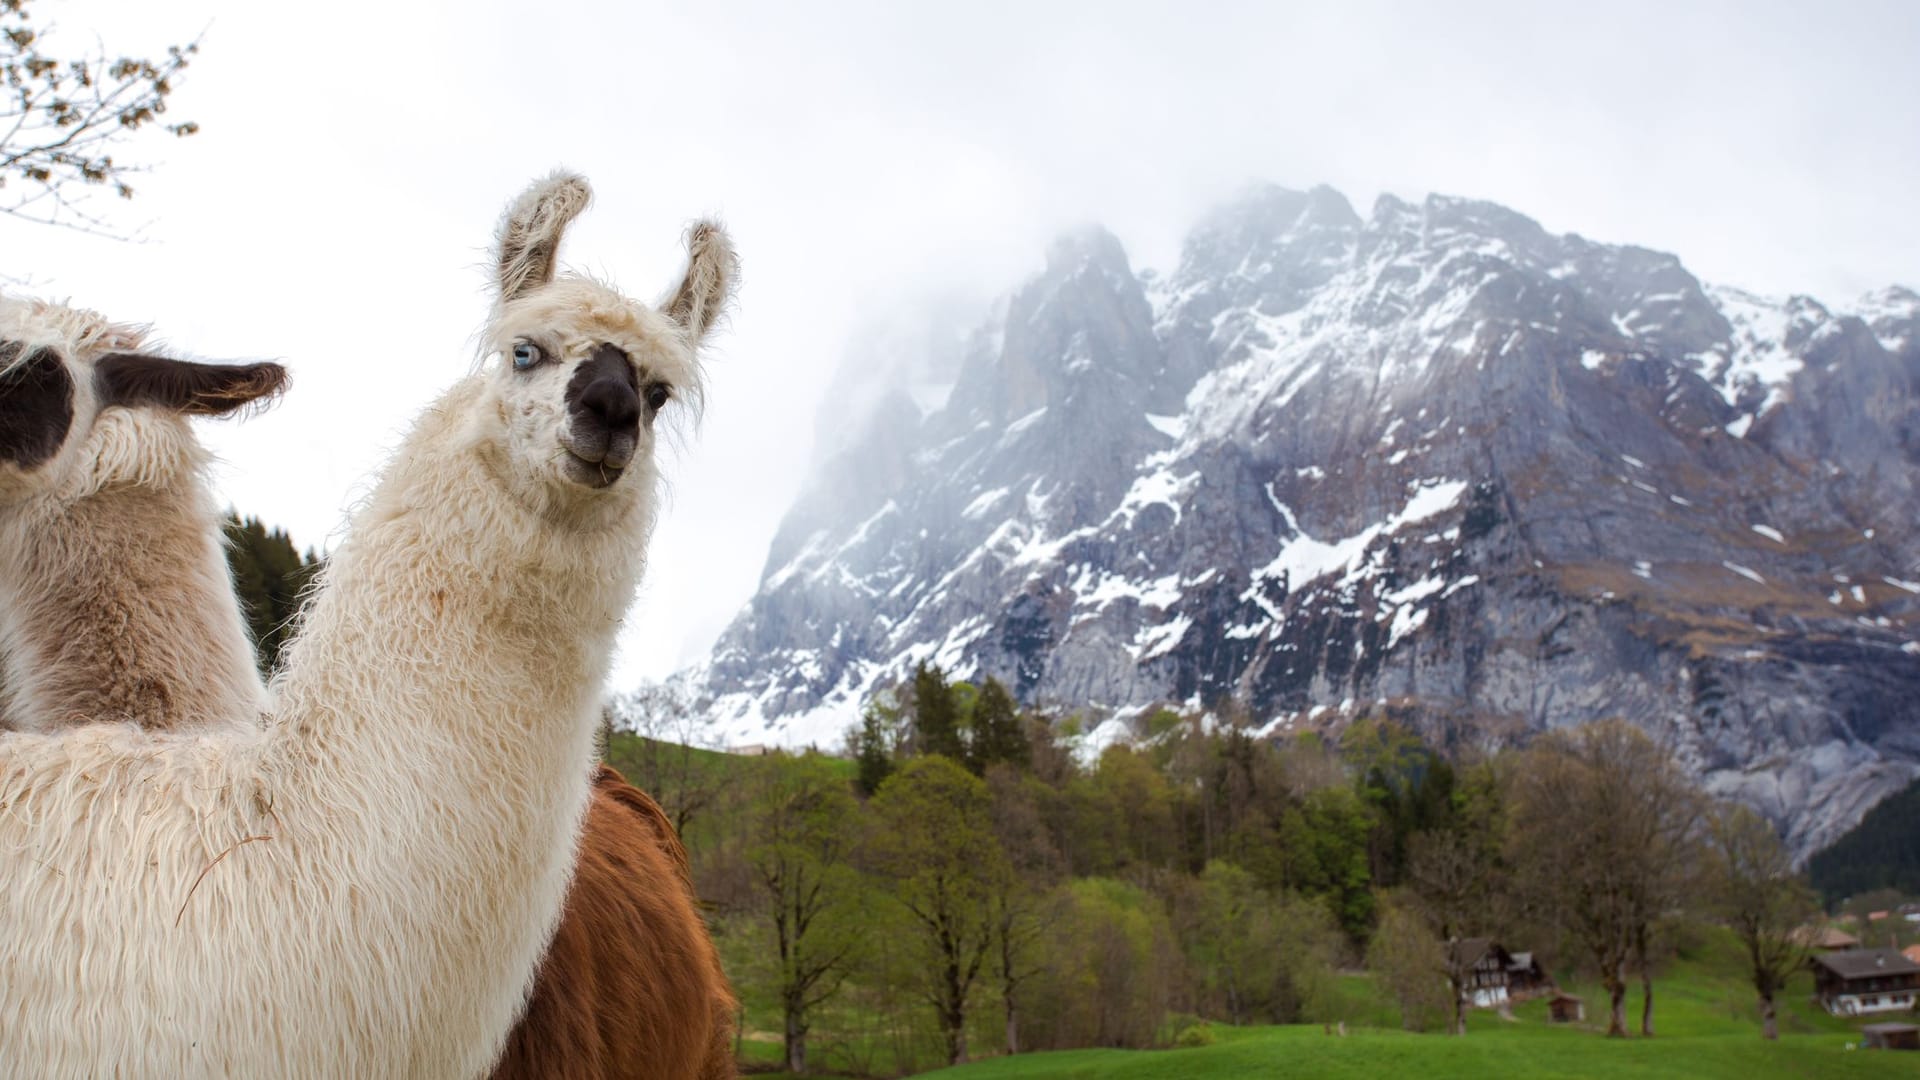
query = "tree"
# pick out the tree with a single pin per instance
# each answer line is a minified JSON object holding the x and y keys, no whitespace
{"x":1416,"y":967}
{"x":802,"y":819}
{"x":270,"y":577}
{"x":64,"y":114}
{"x":673,"y":758}
{"x":1256,"y":956}
{"x":1450,"y":887}
{"x":1111,"y":965}
{"x":1881,"y":853}
{"x":1019,"y":898}
{"x":1750,"y":882}
{"x":1604,"y":826}
{"x":936,"y":715}
{"x":1323,"y":845}
{"x":999,"y":734}
{"x":1128,"y":812}
{"x":932,"y":843}
{"x":873,"y":743}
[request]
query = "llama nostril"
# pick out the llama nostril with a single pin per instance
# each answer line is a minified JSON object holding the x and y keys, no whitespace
{"x":613,"y":403}
{"x":620,"y":448}
{"x":604,"y":398}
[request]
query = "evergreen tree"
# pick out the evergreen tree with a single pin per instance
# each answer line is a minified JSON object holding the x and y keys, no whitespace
{"x":269,"y":576}
{"x":936,"y":715}
{"x":999,"y":736}
{"x":871,"y":750}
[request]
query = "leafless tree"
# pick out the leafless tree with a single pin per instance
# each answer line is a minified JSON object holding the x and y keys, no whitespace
{"x":672,"y":759}
{"x":1450,"y":879}
{"x":1750,"y":882}
{"x":63,"y":114}
{"x":1022,"y":913}
{"x":1604,"y":826}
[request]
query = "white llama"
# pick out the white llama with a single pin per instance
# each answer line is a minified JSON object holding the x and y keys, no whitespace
{"x":363,"y":886}
{"x":115,"y":600}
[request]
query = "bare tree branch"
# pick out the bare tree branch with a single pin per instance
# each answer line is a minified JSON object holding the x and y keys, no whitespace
{"x":68,"y":115}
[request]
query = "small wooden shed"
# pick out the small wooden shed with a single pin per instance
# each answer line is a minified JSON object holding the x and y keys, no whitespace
{"x":1890,"y":1037}
{"x":1564,"y":1008}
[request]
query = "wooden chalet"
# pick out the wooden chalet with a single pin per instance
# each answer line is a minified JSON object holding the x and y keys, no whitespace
{"x":1525,"y":977}
{"x":1860,"y":981}
{"x":1484,"y":968}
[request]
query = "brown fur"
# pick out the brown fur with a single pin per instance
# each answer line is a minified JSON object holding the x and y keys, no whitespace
{"x":134,"y":380}
{"x":115,"y":599}
{"x":130,"y":644}
{"x":631,"y":985}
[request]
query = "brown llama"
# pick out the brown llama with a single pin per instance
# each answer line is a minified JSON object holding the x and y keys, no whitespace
{"x":631,"y":985}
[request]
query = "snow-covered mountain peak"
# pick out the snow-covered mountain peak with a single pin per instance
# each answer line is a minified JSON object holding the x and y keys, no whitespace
{"x":1437,"y":460}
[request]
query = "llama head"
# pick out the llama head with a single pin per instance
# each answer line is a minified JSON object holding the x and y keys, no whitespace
{"x":579,"y":373}
{"x":83,"y":404}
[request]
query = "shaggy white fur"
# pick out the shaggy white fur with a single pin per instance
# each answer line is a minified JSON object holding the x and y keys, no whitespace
{"x":115,"y":601}
{"x":362,"y":887}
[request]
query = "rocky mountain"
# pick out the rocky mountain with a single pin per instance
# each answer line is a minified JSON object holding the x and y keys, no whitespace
{"x":1434,"y":460}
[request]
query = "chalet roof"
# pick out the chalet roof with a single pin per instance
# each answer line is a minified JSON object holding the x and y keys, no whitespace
{"x":1889,"y":1029}
{"x":1866,"y":963}
{"x":1468,"y":951}
{"x":1562,"y":995}
{"x":1825,"y":937}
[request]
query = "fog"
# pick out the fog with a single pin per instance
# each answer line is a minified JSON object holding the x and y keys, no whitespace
{"x":872,"y":159}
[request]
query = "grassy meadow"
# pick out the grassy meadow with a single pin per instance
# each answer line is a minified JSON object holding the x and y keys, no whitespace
{"x":1706,"y":1022}
{"x":874,"y":1024}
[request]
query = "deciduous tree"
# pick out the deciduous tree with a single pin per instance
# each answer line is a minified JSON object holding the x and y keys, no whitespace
{"x":1416,"y":967}
{"x":1603,"y":828}
{"x":65,"y":113}
{"x":802,"y":834}
{"x":1020,"y":897}
{"x":932,"y":843}
{"x":1750,"y":883}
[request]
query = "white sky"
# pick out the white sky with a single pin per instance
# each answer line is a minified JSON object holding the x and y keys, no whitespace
{"x":334,"y":211}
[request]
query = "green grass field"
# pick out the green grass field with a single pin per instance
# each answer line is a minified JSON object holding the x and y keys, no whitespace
{"x":1706,"y":1022}
{"x":1705,"y":1015}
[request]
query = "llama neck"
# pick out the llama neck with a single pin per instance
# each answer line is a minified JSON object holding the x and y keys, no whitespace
{"x":434,"y":716}
{"x":456,"y":619}
{"x":118,"y":606}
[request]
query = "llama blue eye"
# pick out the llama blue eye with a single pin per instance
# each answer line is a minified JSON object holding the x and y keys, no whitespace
{"x":525,"y":355}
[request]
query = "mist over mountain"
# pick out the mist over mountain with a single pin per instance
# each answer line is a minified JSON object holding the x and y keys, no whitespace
{"x":1433,"y":461}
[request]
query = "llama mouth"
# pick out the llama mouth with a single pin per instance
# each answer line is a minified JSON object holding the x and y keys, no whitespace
{"x":593,"y":474}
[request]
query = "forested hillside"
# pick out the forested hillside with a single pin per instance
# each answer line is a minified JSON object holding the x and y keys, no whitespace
{"x":1882,"y":852}
{"x":980,"y":879}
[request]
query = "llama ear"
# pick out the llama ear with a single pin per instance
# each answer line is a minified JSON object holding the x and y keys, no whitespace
{"x":712,"y":272}
{"x":36,"y":403}
{"x":134,"y":380}
{"x":527,"y":244}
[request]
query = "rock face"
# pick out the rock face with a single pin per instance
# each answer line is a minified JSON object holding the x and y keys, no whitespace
{"x":1435,"y":460}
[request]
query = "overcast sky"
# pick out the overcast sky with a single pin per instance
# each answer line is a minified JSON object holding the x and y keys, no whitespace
{"x":335,"y":209}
